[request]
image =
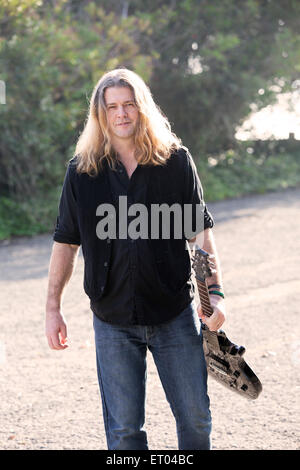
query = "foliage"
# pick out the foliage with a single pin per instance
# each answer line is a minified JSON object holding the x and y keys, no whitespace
{"x":207,"y":63}
{"x":29,"y":217}
{"x":240,"y":172}
{"x":237,"y":173}
{"x":50,"y":64}
{"x":217,"y":59}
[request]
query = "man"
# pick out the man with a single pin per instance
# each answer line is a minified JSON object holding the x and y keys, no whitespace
{"x":140,"y":287}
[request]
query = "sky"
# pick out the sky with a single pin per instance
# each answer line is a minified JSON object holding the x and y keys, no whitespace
{"x":274,"y":121}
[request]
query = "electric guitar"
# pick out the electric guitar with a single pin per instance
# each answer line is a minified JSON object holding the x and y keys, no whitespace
{"x":223,"y":358}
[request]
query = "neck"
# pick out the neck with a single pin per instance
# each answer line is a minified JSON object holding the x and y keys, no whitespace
{"x":126,"y":155}
{"x":125,"y":151}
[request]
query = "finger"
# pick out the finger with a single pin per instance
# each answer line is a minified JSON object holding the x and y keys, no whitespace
{"x":50,"y":344}
{"x":203,"y":318}
{"x":212,"y":324}
{"x":63,"y":335}
{"x":213,"y":328}
{"x":56,"y":342}
{"x":201,"y":315}
{"x":199,"y":310}
{"x":63,"y":331}
{"x":64,"y":342}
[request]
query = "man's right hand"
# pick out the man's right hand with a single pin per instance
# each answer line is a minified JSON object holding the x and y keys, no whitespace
{"x":56,"y":330}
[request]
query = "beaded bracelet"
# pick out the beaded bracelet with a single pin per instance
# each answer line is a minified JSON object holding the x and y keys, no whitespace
{"x":216,"y":292}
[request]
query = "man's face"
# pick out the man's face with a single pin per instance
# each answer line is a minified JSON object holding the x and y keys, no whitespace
{"x":122,"y":113}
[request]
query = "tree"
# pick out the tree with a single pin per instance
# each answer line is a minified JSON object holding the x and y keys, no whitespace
{"x":206,"y":63}
{"x":214,"y":60}
{"x":50,"y":62}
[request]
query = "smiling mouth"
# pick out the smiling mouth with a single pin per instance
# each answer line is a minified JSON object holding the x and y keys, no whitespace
{"x":123,"y":124}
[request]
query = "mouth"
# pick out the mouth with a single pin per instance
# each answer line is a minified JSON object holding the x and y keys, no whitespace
{"x":123,"y":124}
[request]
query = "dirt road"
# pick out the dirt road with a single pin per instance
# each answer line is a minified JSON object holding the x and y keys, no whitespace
{"x":50,"y":399}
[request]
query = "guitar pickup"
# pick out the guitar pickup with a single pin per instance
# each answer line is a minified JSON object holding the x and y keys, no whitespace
{"x":218,"y":368}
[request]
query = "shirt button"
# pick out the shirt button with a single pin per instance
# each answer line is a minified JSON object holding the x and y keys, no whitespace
{"x":102,"y":287}
{"x":108,"y":241}
{"x":106,"y":263}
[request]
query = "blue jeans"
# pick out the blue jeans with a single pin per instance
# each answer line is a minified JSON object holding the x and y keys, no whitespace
{"x":121,"y":366}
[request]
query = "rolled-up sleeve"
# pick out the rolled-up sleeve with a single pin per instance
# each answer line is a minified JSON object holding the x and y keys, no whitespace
{"x":67,"y":229}
{"x":194,"y":193}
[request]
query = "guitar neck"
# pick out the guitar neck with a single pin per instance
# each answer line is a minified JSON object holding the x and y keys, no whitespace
{"x":204,"y":298}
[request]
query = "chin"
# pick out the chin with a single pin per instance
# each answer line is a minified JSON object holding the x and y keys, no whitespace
{"x":128,"y":133}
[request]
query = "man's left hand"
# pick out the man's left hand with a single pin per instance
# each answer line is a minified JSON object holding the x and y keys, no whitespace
{"x":216,"y":320}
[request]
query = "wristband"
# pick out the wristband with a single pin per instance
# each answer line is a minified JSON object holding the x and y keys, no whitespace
{"x":215,"y":285}
{"x":216,"y":292}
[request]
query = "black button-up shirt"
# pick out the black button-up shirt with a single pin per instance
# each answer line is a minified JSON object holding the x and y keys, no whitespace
{"x":133,"y":293}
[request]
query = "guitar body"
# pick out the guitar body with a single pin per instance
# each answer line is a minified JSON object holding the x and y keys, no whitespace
{"x":223,"y":358}
{"x":225,"y":364}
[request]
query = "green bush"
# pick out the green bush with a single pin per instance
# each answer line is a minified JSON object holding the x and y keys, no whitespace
{"x":238,"y":173}
{"x":233,"y":174}
{"x":50,"y":63}
{"x":29,"y":217}
{"x":53,"y":53}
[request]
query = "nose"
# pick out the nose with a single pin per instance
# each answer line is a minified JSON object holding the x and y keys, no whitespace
{"x":121,"y":111}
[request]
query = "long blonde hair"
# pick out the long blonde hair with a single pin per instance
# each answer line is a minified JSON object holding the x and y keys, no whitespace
{"x":154,"y":140}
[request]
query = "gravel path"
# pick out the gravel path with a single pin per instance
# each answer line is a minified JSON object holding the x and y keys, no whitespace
{"x":50,"y":399}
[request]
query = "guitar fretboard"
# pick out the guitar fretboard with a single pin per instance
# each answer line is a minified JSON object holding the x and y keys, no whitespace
{"x":204,"y":298}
